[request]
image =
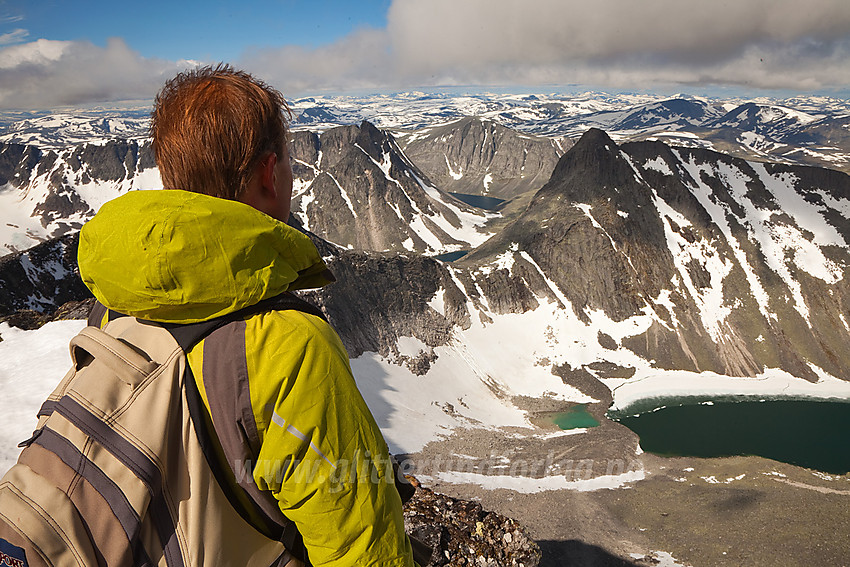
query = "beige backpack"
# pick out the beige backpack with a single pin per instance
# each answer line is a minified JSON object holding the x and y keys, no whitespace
{"x":116,"y":472}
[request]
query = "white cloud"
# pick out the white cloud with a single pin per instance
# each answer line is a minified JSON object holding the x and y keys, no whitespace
{"x":15,"y":36}
{"x":38,"y":53}
{"x":554,"y":31}
{"x":359,"y":60}
{"x":617,"y":43}
{"x":45,"y":73}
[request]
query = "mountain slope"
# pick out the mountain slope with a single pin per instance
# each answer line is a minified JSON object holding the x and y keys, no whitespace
{"x":714,"y":262}
{"x":682,"y":258}
{"x":47,"y":193}
{"x":355,"y":187}
{"x":474,"y":156}
{"x":42,"y":278}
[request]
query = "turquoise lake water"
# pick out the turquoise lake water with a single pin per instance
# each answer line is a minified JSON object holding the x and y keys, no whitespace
{"x":811,"y":434}
{"x":575,"y":417}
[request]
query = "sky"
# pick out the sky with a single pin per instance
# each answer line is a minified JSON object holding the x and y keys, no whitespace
{"x":78,"y":52}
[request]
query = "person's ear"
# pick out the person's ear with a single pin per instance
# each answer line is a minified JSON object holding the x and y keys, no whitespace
{"x":267,"y":173}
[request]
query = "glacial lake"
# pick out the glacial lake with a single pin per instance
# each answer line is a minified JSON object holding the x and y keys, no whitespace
{"x":811,"y":434}
{"x":575,"y":417}
{"x":486,"y":203}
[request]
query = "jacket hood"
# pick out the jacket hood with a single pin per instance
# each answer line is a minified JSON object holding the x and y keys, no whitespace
{"x":178,"y":257}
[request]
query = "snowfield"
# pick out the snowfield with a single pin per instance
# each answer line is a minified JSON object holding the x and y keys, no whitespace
{"x":31,"y":365}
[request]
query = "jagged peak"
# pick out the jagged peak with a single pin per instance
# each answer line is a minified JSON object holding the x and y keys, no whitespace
{"x":593,"y":137}
{"x":372,"y":131}
{"x":595,"y":150}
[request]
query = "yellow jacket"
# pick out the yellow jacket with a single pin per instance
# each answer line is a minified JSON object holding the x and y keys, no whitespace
{"x":309,"y":439}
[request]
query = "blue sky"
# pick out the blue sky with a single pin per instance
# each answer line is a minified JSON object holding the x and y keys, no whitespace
{"x":213,"y":30}
{"x":63,"y":52}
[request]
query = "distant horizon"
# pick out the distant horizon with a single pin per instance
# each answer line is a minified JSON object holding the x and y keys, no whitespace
{"x":719,"y":94}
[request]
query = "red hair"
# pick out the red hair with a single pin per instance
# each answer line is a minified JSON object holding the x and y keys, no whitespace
{"x":212,"y":126}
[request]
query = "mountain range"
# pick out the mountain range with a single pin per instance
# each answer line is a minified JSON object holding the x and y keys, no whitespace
{"x":604,"y":257}
{"x":680,"y":257}
{"x":720,"y":263}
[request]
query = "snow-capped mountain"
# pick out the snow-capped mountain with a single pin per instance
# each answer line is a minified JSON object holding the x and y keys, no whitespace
{"x":656,"y":257}
{"x":639,"y":270}
{"x":41,"y":278}
{"x":692,"y":259}
{"x":356,"y":187}
{"x":673,"y":114}
{"x":535,"y":113}
{"x":467,"y":144}
{"x":766,"y":120}
{"x":48,"y":193}
{"x":56,"y":131}
{"x":764,"y":131}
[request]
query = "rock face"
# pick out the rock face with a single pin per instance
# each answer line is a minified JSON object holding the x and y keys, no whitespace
{"x":42,"y":278}
{"x":355,"y":187}
{"x":378,"y":298}
{"x":461,"y":532}
{"x":480,"y":157}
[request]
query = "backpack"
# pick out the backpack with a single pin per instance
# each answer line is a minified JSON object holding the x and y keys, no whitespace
{"x":121,"y":469}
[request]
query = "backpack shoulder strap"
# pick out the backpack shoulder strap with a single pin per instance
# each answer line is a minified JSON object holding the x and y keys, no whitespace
{"x":189,"y":335}
{"x":257,"y":508}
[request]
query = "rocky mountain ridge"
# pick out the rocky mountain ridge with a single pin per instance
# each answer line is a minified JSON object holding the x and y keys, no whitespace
{"x":798,"y":130}
{"x":475,"y":156}
{"x":56,"y":168}
{"x":356,"y":187}
{"x":723,"y":264}
{"x":634,"y":259}
{"x":47,"y":193}
{"x":64,"y":129}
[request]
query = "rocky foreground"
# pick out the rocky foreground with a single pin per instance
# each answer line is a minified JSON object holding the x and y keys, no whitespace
{"x":462,"y":532}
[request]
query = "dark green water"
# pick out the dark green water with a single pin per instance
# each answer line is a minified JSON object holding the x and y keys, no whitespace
{"x":575,"y":417}
{"x":487,"y":203}
{"x":451,"y":256}
{"x":809,"y":434}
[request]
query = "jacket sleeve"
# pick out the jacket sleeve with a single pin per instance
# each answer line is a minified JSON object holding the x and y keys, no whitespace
{"x":322,"y":454}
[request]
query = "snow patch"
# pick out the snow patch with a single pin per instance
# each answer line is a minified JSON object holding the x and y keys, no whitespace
{"x":31,"y":365}
{"x":456,"y":175}
{"x":658,"y":164}
{"x":487,"y":181}
{"x":438,"y":302}
{"x":528,"y":485}
{"x":649,"y":384}
{"x":660,"y":559}
{"x":410,"y":346}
